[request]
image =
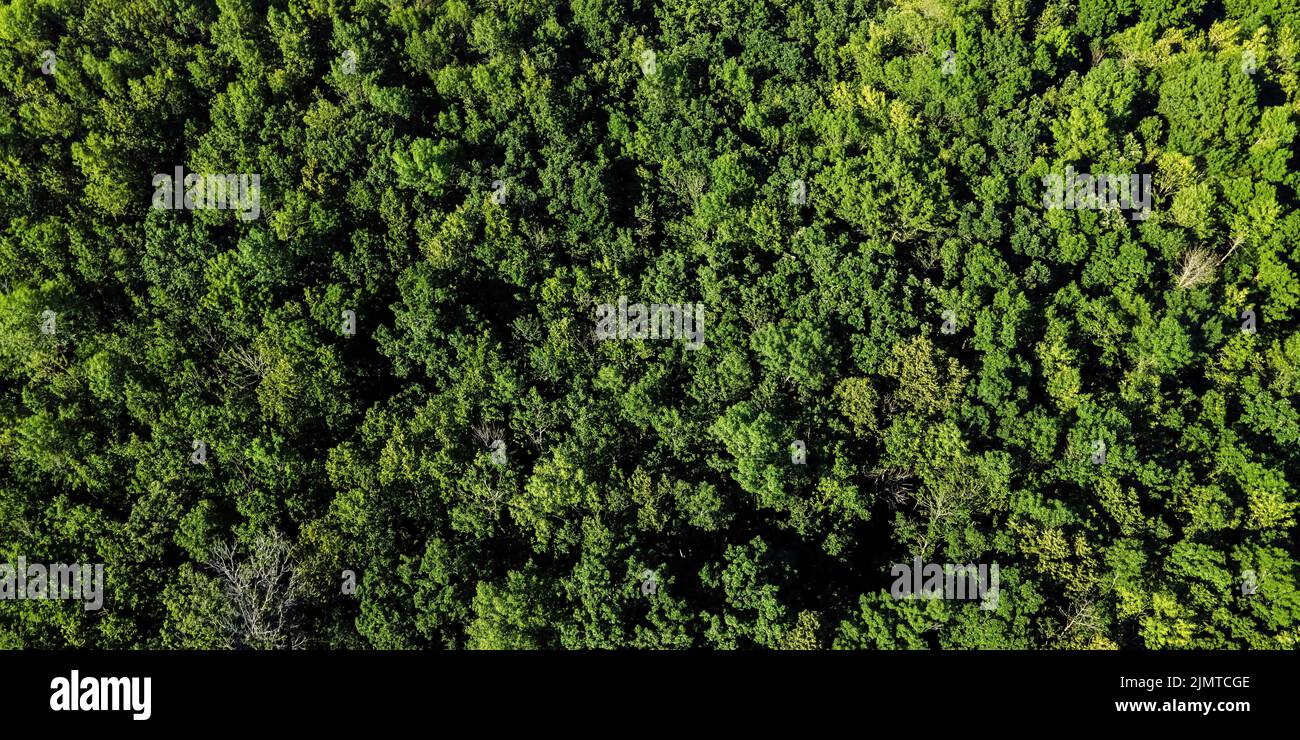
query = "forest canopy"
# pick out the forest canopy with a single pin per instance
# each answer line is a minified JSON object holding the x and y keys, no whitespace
{"x":590,"y":324}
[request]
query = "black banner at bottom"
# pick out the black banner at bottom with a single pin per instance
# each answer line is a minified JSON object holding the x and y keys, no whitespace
{"x":553,"y":690}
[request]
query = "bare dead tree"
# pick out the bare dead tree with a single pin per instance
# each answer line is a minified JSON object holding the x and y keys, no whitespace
{"x":1083,"y":617}
{"x":262,"y":591}
{"x":889,"y":403}
{"x":210,"y":339}
{"x":942,"y":500}
{"x":249,"y":361}
{"x":487,"y":433}
{"x":894,"y":485}
{"x":1197,"y":267}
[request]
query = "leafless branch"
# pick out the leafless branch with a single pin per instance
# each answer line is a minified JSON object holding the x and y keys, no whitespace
{"x":262,"y":591}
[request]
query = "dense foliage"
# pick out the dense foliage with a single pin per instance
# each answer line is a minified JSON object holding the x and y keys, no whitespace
{"x":473,"y":179}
